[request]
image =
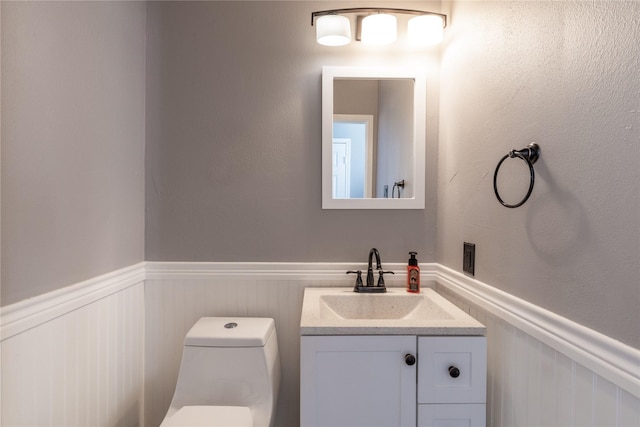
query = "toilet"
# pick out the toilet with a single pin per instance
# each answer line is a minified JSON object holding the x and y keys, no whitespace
{"x":229,"y":375}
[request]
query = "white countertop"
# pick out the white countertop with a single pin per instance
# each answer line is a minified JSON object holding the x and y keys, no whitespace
{"x":340,"y":311}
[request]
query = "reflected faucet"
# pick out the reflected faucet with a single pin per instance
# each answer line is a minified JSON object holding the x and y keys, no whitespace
{"x":372,"y":252}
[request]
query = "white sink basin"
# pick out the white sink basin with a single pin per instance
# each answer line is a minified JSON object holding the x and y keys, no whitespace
{"x":340,"y":311}
{"x":379,"y":306}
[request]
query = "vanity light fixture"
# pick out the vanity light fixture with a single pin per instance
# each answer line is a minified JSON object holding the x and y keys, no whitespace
{"x":377,"y":26}
{"x":333,"y":30}
{"x":425,"y":30}
{"x":379,"y":29}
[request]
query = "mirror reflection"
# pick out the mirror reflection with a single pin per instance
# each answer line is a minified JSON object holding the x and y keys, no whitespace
{"x":373,"y":138}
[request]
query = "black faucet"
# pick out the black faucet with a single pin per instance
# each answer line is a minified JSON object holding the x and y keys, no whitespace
{"x":372,"y":252}
{"x":380,"y":287}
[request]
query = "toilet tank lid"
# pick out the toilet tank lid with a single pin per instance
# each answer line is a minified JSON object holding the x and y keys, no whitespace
{"x":230,"y":332}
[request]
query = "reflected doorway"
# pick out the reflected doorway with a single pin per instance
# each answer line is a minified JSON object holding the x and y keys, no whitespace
{"x":352,"y":156}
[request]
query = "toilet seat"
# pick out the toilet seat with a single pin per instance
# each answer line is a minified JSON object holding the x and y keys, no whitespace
{"x":210,"y":416}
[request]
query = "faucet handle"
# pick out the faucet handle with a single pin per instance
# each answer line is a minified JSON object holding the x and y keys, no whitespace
{"x":381,"y":278}
{"x":358,"y":279}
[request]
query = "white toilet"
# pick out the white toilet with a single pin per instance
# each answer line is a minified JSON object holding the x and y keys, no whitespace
{"x":229,"y":374}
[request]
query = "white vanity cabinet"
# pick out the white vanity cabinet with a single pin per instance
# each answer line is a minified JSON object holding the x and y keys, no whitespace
{"x":392,"y":380}
{"x":395,"y":359}
{"x":352,"y":381}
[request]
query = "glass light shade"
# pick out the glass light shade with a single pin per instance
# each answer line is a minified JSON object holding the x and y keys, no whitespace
{"x":333,"y":30}
{"x":380,"y":29}
{"x":425,"y":30}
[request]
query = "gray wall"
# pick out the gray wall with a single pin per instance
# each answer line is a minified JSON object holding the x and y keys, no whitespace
{"x":72,"y":142}
{"x":233,"y":146}
{"x":234,"y":139}
{"x":564,"y":74}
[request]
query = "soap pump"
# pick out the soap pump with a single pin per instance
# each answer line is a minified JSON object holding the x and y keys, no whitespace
{"x":413,"y":274}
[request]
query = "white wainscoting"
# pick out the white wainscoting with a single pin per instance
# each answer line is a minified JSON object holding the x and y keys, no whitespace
{"x":561,"y":376}
{"x":177,"y":294}
{"x":74,"y":357}
{"x":543,"y":369}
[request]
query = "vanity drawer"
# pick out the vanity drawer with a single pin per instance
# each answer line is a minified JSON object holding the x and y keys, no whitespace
{"x":452,"y":369}
{"x":452,"y":415}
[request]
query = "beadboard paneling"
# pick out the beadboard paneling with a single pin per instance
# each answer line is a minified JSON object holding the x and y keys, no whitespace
{"x":76,"y":357}
{"x":80,"y":367}
{"x":532,"y":381}
{"x":531,"y":384}
{"x":178,"y":294}
{"x":173,"y":306}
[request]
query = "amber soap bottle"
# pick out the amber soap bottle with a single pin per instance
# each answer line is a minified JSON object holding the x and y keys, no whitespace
{"x":413,"y":274}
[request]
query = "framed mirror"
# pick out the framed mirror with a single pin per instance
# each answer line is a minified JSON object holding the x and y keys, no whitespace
{"x":373,"y":138}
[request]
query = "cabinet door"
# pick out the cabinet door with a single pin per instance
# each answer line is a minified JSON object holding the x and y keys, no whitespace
{"x":452,"y":415}
{"x":351,"y":381}
{"x":452,"y":369}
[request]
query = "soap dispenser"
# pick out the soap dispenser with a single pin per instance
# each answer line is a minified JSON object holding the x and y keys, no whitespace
{"x":413,"y":274}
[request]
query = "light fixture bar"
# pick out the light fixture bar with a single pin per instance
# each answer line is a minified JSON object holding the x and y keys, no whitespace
{"x":314,"y":15}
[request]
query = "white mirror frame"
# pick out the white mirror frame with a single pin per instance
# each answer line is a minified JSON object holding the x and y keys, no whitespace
{"x":418,"y":75}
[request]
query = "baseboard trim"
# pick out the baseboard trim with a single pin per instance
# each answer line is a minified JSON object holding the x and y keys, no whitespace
{"x":609,"y":358}
{"x":21,"y":316}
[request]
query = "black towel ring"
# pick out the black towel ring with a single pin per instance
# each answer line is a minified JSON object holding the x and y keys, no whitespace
{"x":530,"y":155}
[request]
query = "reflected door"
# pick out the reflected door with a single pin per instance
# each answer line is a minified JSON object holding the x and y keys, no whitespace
{"x":341,"y":168}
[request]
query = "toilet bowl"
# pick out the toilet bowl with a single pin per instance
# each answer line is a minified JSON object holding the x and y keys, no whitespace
{"x":229,"y":374}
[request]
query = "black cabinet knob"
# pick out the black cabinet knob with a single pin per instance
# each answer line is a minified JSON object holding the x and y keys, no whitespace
{"x":454,"y":372}
{"x":409,"y":359}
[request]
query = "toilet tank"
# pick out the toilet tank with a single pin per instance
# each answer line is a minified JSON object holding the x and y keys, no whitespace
{"x":230,"y":362}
